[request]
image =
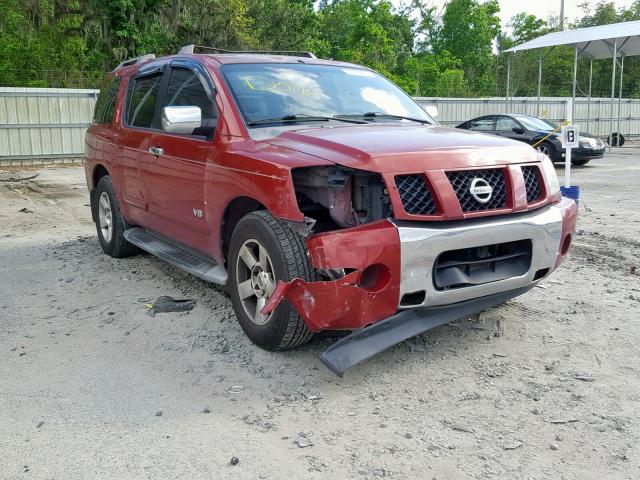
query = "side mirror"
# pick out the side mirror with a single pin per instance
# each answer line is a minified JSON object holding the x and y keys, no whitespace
{"x":431,"y":110}
{"x":182,"y":120}
{"x":518,"y":130}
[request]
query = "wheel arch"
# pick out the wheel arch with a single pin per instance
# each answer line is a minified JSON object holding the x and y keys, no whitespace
{"x":234,"y":211}
{"x":553,"y":148}
{"x":99,"y":171}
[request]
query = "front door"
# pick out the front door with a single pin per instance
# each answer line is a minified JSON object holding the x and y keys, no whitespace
{"x":176,"y":177}
{"x":508,"y":127}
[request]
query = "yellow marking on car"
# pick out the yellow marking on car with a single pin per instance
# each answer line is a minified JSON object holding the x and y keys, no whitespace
{"x":540,"y":141}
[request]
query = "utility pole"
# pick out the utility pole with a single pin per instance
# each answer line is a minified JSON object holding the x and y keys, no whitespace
{"x":561,"y":15}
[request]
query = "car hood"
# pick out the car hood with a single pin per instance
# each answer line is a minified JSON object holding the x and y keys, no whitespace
{"x":386,"y":148}
{"x":544,"y":133}
{"x":588,"y":135}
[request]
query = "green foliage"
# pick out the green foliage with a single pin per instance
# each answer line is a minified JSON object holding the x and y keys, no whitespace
{"x":467,"y":31}
{"x":448,"y":50}
{"x":526,"y":27}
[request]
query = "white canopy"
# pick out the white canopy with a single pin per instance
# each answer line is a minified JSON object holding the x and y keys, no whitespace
{"x":592,"y":42}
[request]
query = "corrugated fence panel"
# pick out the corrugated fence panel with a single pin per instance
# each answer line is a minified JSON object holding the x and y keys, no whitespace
{"x":41,"y":125}
{"x":597,"y":116}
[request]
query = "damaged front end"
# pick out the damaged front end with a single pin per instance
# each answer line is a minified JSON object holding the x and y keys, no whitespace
{"x":390,"y":279}
{"x":338,"y":197}
{"x":353,"y":247}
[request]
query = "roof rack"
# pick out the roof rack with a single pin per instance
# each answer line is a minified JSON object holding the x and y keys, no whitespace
{"x":191,"y":49}
{"x":135,"y":61}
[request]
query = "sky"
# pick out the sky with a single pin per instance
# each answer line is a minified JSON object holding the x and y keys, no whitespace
{"x":540,"y":8}
{"x":545,"y":8}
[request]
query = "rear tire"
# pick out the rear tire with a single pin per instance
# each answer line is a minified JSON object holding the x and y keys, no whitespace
{"x":109,"y":222}
{"x":262,"y":251}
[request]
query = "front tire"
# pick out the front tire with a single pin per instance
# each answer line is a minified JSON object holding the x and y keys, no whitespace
{"x":109,"y":222}
{"x":581,"y":162}
{"x":262,"y":251}
{"x":547,"y":149}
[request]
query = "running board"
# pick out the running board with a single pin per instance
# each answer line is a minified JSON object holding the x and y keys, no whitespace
{"x":177,"y":255}
{"x":371,"y":340}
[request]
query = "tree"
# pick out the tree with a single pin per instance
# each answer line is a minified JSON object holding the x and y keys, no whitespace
{"x":367,"y":32}
{"x":526,"y":27}
{"x":468,"y":30}
{"x":427,"y":50}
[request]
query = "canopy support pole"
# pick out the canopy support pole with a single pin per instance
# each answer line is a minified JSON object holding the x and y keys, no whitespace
{"x":589,"y":102}
{"x":620,"y":97}
{"x":508,"y":99}
{"x":613,"y":91}
{"x":539,"y":82}
{"x":575,"y":82}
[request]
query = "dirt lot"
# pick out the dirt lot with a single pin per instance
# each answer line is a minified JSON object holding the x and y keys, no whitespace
{"x":546,"y":386}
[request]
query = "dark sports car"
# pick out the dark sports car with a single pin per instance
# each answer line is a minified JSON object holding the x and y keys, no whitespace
{"x":531,"y":130}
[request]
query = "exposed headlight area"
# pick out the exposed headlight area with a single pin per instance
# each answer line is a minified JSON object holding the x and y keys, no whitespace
{"x":339,"y":197}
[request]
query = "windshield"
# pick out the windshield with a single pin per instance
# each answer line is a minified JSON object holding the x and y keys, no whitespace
{"x":275,"y":91}
{"x":536,"y":124}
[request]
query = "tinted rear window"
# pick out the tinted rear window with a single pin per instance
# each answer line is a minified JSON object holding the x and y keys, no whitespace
{"x":143,"y":96}
{"x":481,"y":124}
{"x":106,"y":104}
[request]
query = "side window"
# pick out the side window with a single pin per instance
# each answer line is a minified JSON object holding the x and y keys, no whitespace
{"x":186,"y":90}
{"x":506,"y":124}
{"x":482,"y":124}
{"x":106,"y":103}
{"x":143,"y":96}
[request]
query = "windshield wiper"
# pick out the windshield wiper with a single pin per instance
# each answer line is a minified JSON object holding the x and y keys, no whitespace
{"x":302,"y":117}
{"x":387,"y":115}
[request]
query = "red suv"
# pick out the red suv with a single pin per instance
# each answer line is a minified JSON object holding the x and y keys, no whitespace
{"x":320,"y":193}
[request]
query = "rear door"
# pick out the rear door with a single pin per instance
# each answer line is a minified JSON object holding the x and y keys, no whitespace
{"x":483,"y":124}
{"x":139,"y":121}
{"x":176,"y":177}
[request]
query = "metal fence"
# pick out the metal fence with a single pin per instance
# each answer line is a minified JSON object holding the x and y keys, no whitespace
{"x":45,"y":125}
{"x":598,"y":116}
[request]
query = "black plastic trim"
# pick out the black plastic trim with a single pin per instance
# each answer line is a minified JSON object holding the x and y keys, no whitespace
{"x":371,"y":340}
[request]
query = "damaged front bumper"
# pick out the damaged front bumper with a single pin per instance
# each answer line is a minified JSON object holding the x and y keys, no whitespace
{"x":541,"y":237}
{"x":395,"y":266}
{"x":366,"y":343}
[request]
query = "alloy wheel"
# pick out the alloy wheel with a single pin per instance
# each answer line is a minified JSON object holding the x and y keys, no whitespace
{"x":105,"y":217}
{"x":544,"y":149}
{"x":255,"y":279}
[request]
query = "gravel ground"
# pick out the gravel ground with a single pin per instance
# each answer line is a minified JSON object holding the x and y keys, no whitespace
{"x":546,"y":386}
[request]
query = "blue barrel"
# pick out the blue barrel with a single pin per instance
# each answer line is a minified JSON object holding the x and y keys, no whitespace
{"x":571,"y":192}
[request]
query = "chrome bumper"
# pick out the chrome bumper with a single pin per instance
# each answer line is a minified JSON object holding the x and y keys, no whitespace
{"x":421,"y":245}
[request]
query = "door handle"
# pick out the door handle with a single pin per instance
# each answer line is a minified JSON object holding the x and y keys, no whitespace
{"x":157,"y":151}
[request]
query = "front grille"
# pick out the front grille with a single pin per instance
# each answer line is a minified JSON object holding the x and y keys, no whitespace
{"x":461,"y":183}
{"x":532,"y":182}
{"x":415,"y":195}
